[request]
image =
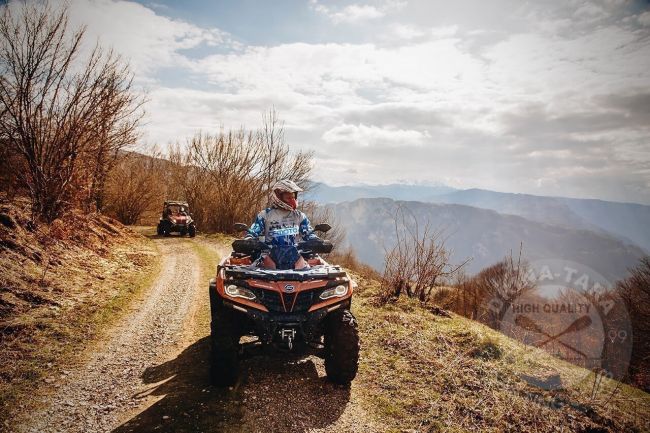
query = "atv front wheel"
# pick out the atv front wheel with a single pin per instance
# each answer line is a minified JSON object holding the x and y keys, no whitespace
{"x":341,"y":347}
{"x":159,"y":229}
{"x":192,"y":231}
{"x":224,"y":356}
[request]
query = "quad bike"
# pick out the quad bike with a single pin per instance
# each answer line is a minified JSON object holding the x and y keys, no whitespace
{"x":306,"y":311}
{"x":176,"y":218}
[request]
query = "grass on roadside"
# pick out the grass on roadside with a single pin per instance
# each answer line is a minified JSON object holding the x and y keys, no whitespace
{"x":424,"y":372}
{"x":52,"y":340}
{"x":209,"y":257}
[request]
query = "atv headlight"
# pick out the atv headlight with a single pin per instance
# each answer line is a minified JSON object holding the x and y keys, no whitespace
{"x":173,"y":221}
{"x":239,"y":292}
{"x":336,"y":292}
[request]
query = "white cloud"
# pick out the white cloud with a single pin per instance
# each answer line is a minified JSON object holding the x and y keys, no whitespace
{"x":405,"y":31}
{"x":146,"y":40}
{"x":356,"y":12}
{"x":335,"y":74}
{"x":364,"y":135}
{"x":433,"y":101}
{"x":644,"y":19}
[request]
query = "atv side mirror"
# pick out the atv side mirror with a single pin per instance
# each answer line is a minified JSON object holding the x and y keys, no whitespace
{"x":324,"y":227}
{"x":240,"y":227}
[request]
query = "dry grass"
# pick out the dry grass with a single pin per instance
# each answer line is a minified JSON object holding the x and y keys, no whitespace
{"x":60,"y":286}
{"x":423,"y":372}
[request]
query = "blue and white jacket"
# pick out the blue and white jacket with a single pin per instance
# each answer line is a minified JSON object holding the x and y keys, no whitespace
{"x":282,"y":228}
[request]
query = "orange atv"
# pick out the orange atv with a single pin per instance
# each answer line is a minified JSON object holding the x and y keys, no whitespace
{"x":305,"y":310}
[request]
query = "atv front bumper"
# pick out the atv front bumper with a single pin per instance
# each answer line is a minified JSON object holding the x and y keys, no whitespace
{"x":282,"y":328}
{"x":269,"y":326}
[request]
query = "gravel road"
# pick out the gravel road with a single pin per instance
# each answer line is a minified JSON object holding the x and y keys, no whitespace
{"x":96,"y":396}
{"x":152,"y":373}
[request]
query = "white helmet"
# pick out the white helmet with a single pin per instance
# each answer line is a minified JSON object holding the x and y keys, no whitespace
{"x":280,"y":187}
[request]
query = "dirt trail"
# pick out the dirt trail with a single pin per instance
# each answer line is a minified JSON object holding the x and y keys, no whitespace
{"x":152,"y":374}
{"x":96,"y":395}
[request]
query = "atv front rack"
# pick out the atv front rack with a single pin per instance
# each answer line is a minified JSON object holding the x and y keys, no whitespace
{"x":319,"y":272}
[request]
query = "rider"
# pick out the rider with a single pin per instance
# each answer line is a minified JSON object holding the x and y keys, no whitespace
{"x":281,"y":224}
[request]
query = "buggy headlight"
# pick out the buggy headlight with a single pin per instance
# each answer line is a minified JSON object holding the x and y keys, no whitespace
{"x":239,"y":292}
{"x":336,"y":292}
{"x":173,"y":221}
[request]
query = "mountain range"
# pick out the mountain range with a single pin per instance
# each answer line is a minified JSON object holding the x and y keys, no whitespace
{"x":323,"y":193}
{"x":485,"y":226}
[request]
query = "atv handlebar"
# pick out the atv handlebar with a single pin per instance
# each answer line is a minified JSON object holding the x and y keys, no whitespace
{"x":249,"y":246}
{"x":318,"y":246}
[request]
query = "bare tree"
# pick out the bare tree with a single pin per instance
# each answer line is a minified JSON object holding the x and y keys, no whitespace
{"x":65,"y":118}
{"x":279,"y":162}
{"x":135,"y":185}
{"x":417,"y":261}
{"x":219,"y":177}
{"x":501,"y":283}
{"x":635,"y":291}
{"x":225,"y":177}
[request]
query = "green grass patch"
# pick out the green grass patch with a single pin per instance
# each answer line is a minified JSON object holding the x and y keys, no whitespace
{"x":209,"y":258}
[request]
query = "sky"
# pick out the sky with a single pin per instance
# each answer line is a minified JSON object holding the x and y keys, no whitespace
{"x":542,"y":97}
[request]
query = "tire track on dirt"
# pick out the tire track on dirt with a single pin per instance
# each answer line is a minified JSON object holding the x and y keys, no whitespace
{"x":107,"y":387}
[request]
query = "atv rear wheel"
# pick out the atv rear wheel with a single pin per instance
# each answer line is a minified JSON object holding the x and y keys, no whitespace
{"x":224,"y":356}
{"x":341,"y":347}
{"x":192,"y":231}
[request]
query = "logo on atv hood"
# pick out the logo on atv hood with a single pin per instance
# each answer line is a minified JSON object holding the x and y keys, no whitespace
{"x":288,"y":288}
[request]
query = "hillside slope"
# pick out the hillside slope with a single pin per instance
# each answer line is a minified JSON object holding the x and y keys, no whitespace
{"x":421,"y":370}
{"x":59,"y":285}
{"x":425,"y":372}
{"x":483,"y":235}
